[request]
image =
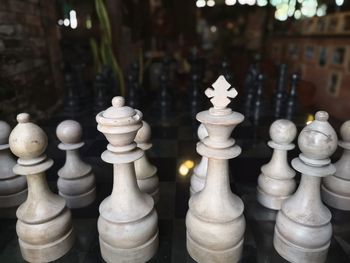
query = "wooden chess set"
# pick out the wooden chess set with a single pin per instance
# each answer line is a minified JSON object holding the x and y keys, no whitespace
{"x":126,"y":204}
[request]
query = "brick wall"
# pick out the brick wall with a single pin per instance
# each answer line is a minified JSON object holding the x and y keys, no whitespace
{"x":30,"y":58}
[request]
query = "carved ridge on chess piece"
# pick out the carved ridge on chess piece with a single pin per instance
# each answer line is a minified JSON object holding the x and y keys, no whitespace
{"x":215,"y":222}
{"x":44,"y":225}
{"x":276,"y":182}
{"x":76,"y":182}
{"x":146,"y":173}
{"x":199,"y":175}
{"x":303,"y":230}
{"x":13,"y":187}
{"x":336,"y":188}
{"x":127,"y":233}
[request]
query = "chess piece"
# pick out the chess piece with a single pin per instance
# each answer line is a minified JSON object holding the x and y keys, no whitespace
{"x":146,"y":173}
{"x":276,"y":182}
{"x":292,"y":100}
{"x":71,"y":104}
{"x":100,"y":98}
{"x":199,"y":175}
{"x":127,"y":225}
{"x":215,"y":222}
{"x":226,"y":71}
{"x":250,"y":89}
{"x":111,"y":81}
{"x":76,"y":182}
{"x":195,"y":99}
{"x":13,"y":187}
{"x":44,"y":225}
{"x":132,"y":90}
{"x":260,"y":105}
{"x":303,"y":230}
{"x":336,"y":188}
{"x":165,"y":101}
{"x":280,"y":93}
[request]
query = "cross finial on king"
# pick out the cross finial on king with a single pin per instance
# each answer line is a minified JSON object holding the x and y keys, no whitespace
{"x":221,"y":93}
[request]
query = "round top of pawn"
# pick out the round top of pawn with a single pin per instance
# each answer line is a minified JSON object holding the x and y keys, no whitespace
{"x":283,"y":131}
{"x":345,"y":131}
{"x":202,"y":132}
{"x":27,"y":140}
{"x":69,"y":132}
{"x":318,"y":140}
{"x":143,"y":136}
{"x":5,"y":130}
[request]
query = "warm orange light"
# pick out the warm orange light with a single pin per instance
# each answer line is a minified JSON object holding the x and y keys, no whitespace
{"x":189,"y":164}
{"x":183,"y":170}
{"x":310,"y":118}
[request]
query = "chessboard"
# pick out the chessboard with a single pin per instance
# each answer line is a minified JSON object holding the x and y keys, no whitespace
{"x":174,"y":142}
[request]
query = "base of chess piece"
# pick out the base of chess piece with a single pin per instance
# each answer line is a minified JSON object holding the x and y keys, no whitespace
{"x":150,"y":186}
{"x":272,"y":202}
{"x":202,"y":255}
{"x":82,"y":200}
{"x":336,"y":200}
{"x":297,"y":254}
{"x":12,"y":200}
{"x":139,"y":254}
{"x":50,"y":251}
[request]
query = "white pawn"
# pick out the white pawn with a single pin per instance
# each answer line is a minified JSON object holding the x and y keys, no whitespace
{"x":76,"y":182}
{"x":303,"y":230}
{"x":336,"y":188}
{"x":128,"y":221}
{"x":215,"y":222}
{"x":200,"y":171}
{"x":146,"y":173}
{"x":276,"y":182}
{"x":44,"y":225}
{"x":13,"y":188}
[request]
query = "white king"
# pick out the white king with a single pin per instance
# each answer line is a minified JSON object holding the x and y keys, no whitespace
{"x":215,"y":222}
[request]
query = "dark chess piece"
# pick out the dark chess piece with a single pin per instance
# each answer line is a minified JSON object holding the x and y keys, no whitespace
{"x":101,"y":100}
{"x":111,"y":81}
{"x":197,"y":63}
{"x":260,"y":107}
{"x":132,"y":91}
{"x":249,"y":89}
{"x":225,"y":70}
{"x":71,"y":102}
{"x":195,"y":101}
{"x":292,"y":100}
{"x":165,"y":96}
{"x":83,"y":91}
{"x":280,"y":93}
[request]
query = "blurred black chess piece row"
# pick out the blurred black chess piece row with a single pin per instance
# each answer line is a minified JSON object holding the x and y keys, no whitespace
{"x":79,"y":96}
{"x":255,"y":104}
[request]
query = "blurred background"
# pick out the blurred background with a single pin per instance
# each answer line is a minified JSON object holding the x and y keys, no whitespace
{"x":70,"y":56}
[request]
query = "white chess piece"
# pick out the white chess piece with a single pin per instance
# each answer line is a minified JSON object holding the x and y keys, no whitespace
{"x":76,"y":182}
{"x":336,"y":188}
{"x":13,"y":188}
{"x":146,"y":173}
{"x":276,"y":182}
{"x":200,"y":171}
{"x":215,"y":222}
{"x":127,"y":226}
{"x":303,"y":230}
{"x":44,"y":225}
